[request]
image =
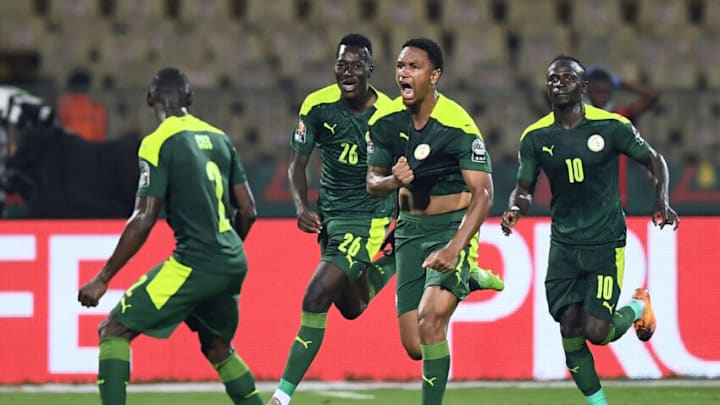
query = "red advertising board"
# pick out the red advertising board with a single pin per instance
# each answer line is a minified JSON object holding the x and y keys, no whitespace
{"x":49,"y":337}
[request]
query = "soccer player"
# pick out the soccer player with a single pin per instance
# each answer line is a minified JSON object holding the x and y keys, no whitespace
{"x":577,"y":146}
{"x":428,"y":149}
{"x":350,"y":223}
{"x":192,"y":168}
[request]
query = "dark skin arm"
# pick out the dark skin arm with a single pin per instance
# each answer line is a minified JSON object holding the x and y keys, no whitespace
{"x":381,"y":184}
{"x":663,"y":214}
{"x":518,"y":204}
{"x":245,"y":214}
{"x":481,"y":188}
{"x":132,"y":238}
{"x":648,"y":97}
{"x":307,"y":220}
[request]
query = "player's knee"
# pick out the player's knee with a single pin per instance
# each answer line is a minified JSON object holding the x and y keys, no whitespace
{"x":215,"y":349}
{"x":110,"y":328}
{"x":317,"y":299}
{"x":430,"y":323}
{"x":597,"y":333}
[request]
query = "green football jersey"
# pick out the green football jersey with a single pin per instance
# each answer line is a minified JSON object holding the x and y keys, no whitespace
{"x":581,"y":165}
{"x":449,"y":142}
{"x":193,"y":166}
{"x":339,"y":133}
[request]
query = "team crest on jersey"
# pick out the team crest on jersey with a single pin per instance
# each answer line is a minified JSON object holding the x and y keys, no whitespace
{"x":422,"y":151}
{"x":596,"y":143}
{"x":479,"y":154}
{"x":144,"y":179}
{"x":369,"y":143}
{"x":300,"y":132}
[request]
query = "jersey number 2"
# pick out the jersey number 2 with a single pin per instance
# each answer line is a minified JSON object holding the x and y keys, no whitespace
{"x":213,"y":173}
{"x":576,"y":174}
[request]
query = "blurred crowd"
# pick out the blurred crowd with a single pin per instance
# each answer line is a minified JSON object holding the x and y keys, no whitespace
{"x":252,"y":62}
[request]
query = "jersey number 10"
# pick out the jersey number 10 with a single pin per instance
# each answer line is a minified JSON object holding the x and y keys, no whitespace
{"x":576,"y":174}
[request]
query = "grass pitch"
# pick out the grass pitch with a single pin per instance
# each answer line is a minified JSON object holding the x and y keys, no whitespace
{"x":637,"y":393}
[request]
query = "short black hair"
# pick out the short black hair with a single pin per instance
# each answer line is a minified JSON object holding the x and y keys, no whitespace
{"x":170,"y":80}
{"x":435,"y":53}
{"x":359,"y":40}
{"x":568,"y":58}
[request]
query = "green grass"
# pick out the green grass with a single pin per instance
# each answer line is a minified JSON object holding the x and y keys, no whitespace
{"x":686,"y":395}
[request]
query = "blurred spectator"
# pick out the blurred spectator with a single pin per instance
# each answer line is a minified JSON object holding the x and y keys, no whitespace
{"x":79,"y":112}
{"x":602,"y":83}
{"x":57,"y":174}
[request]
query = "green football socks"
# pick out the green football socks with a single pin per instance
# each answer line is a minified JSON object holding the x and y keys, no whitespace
{"x":598,"y":398}
{"x":238,"y":380}
{"x":303,"y":350}
{"x":379,"y":274}
{"x":621,"y":321}
{"x":114,"y":370}
{"x":581,"y":364}
{"x":436,"y":367}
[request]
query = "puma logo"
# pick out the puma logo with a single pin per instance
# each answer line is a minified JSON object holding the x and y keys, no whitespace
{"x":430,"y":381}
{"x":575,"y":369}
{"x":404,"y":136}
{"x":350,"y":260}
{"x":330,"y":128}
{"x":124,"y":307}
{"x":608,"y":306}
{"x":305,"y":343}
{"x":548,"y":149}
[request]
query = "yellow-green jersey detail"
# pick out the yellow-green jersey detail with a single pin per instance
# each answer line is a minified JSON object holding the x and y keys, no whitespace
{"x":192,"y":166}
{"x":581,"y":165}
{"x":449,"y":142}
{"x":340,"y":135}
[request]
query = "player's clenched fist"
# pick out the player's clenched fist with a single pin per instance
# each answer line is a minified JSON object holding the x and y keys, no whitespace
{"x":402,"y":171}
{"x":90,"y":293}
{"x":509,"y":220}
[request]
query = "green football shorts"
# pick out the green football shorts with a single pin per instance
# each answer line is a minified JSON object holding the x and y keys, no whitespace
{"x":351,"y":244}
{"x":171,"y":293}
{"x":415,"y":238}
{"x":592,"y":277}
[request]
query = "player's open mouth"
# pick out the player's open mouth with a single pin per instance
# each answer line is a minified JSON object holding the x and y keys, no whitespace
{"x":348,"y":85}
{"x":406,"y":90}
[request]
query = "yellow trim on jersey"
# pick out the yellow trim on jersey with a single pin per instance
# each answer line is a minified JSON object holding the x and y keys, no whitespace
{"x":328,"y":94}
{"x":620,"y":265}
{"x":331,"y":94}
{"x":376,"y":235}
{"x":591,"y":113}
{"x":167,"y":282}
{"x":395,"y":105}
{"x":473,"y":251}
{"x":151,"y":144}
{"x":543,"y":122}
{"x":451,"y":114}
{"x":594,"y":113}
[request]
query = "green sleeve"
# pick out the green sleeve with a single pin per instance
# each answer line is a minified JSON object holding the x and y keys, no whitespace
{"x":153,"y":180}
{"x":303,"y":138}
{"x":379,"y":149}
{"x":629,"y":141}
{"x":471,"y":152}
{"x":529,"y":169}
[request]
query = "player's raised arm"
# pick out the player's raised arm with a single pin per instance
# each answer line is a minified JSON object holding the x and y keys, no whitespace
{"x":381,"y":183}
{"x":132,"y":238}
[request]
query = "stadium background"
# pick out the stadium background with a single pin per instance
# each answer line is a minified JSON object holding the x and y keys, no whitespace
{"x":252,"y":61}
